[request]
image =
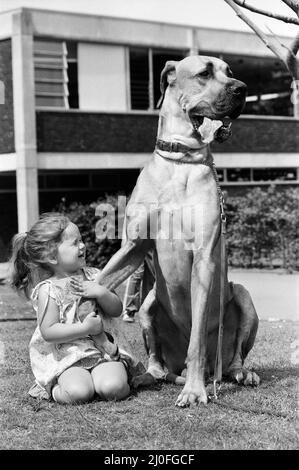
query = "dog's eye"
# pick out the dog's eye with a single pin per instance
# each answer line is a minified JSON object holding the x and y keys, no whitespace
{"x":203,"y":74}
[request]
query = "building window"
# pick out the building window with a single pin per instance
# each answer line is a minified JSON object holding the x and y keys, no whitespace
{"x":8,"y":182}
{"x":220,"y":174}
{"x":139,"y":79}
{"x":159,"y":58}
{"x":257,"y":176}
{"x":268,"y":84}
{"x":145,"y":70}
{"x":274,"y":174}
{"x":57,"y":181}
{"x":238,"y":174}
{"x":72,"y":73}
{"x":55,"y":71}
{"x":82,"y":186}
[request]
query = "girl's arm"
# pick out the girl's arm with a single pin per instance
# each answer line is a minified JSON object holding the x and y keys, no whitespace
{"x":109,"y":302}
{"x":55,"y":332}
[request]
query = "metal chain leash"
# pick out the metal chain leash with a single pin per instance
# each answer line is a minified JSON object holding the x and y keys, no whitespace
{"x":221,"y":199}
{"x":218,"y":359}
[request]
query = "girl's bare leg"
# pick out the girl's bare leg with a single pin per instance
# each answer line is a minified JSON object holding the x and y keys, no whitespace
{"x":110,"y":381}
{"x":75,"y":385}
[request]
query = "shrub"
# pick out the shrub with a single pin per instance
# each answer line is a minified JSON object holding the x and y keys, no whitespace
{"x":262,"y":228}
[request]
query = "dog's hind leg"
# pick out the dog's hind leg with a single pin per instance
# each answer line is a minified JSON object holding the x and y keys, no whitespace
{"x":246,"y":329}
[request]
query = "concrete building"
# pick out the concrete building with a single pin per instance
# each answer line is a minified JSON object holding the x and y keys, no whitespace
{"x":78,"y":113}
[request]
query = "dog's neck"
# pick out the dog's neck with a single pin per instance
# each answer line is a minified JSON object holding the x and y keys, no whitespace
{"x":175,"y":125}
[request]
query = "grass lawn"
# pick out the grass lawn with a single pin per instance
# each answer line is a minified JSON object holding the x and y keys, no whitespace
{"x":262,"y":418}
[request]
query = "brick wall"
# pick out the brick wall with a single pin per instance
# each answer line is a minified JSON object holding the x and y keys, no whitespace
{"x":100,"y":132}
{"x":6,"y":109}
{"x":92,"y":132}
{"x":262,"y":135}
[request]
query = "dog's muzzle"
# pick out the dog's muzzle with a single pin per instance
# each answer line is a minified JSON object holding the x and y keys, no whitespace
{"x":229,"y":106}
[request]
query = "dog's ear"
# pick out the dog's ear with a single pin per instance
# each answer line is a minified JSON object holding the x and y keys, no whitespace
{"x":168,"y":76}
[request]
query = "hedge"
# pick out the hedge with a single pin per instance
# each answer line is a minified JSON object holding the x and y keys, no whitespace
{"x":262,"y":228}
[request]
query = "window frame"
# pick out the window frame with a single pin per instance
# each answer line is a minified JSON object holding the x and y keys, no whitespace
{"x":48,"y":60}
{"x":150,"y":53}
{"x":253,"y":182}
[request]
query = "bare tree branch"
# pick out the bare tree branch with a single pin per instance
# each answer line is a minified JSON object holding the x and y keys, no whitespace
{"x":276,"y":16}
{"x":278,"y":51}
{"x":286,"y":54}
{"x":291,"y":60}
{"x":293,"y":4}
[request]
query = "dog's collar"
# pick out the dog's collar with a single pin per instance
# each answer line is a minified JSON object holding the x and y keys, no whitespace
{"x":177,"y":147}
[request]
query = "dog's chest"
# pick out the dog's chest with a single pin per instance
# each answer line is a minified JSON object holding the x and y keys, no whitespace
{"x":183,"y":187}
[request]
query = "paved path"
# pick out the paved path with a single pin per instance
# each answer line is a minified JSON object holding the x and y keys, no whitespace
{"x":275,"y":294}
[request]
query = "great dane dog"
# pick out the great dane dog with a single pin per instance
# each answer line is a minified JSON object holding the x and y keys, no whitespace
{"x":180,"y":316}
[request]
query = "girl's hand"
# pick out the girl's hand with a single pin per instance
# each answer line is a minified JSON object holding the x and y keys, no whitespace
{"x":89,"y":289}
{"x":108,"y":301}
{"x":92,"y":324}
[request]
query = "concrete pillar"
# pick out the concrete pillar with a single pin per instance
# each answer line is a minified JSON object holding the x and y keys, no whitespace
{"x":295,"y":97}
{"x":193,"y":47}
{"x":24,"y":120}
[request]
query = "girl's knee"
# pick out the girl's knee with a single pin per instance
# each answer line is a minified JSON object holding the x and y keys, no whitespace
{"x":74,"y":392}
{"x":113,"y":389}
{"x":112,"y":386}
{"x":110,"y":381}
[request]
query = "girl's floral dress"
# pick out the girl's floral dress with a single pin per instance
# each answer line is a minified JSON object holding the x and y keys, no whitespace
{"x":49,"y":360}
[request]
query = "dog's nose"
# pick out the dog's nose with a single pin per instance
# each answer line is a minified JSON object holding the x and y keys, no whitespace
{"x":239,"y":88}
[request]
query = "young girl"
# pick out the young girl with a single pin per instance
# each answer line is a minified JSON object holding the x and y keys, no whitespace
{"x":71,"y":357}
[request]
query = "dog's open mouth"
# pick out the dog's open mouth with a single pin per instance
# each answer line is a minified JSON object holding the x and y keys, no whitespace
{"x":207,"y":127}
{"x":196,"y":120}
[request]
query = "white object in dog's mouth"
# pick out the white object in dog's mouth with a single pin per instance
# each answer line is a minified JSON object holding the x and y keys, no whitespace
{"x":207,"y":127}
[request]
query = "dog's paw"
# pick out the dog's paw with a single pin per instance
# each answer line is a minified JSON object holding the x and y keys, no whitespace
{"x":251,"y":379}
{"x":142,"y":380}
{"x":191,"y":397}
{"x":245,"y":377}
{"x":156,"y":371}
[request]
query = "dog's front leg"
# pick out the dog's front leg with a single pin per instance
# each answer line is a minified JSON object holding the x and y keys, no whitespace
{"x":124,"y":263}
{"x":155,"y":369}
{"x":202,"y":276}
{"x":136,"y":243}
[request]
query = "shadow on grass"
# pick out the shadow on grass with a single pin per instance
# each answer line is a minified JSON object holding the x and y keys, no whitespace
{"x":271,"y":375}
